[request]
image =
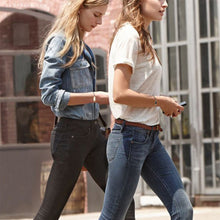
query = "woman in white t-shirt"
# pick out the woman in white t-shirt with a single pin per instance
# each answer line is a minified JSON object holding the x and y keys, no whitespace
{"x":134,"y":148}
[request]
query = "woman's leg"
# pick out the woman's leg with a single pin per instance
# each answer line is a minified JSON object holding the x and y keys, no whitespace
{"x":60,"y":184}
{"x":96,"y":163}
{"x":162,"y":176}
{"x":68,"y":144}
{"x":126,"y":156}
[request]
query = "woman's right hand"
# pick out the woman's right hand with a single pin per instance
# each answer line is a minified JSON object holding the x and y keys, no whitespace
{"x":169,"y":106}
{"x":102,"y":97}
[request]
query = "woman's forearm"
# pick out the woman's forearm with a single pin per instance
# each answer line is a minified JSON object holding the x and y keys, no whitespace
{"x":89,"y":97}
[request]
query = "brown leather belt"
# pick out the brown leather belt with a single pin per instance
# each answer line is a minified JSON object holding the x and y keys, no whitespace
{"x":155,"y":127}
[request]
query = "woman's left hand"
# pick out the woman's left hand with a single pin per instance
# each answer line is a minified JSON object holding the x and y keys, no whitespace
{"x":101,"y":97}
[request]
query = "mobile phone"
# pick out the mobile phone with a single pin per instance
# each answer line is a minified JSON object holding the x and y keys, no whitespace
{"x":184,"y":103}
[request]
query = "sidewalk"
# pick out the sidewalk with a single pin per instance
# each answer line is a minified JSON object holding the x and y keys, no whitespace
{"x":200,"y":213}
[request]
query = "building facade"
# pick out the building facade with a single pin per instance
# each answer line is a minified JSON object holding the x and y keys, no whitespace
{"x":187,"y":42}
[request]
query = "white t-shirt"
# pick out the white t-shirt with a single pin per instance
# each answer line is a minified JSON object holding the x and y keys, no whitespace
{"x":145,"y":78}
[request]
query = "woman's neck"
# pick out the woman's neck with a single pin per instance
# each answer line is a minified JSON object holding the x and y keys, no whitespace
{"x":146,"y":23}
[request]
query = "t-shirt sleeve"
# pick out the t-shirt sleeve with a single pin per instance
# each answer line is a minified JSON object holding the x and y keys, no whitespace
{"x":125,"y":48}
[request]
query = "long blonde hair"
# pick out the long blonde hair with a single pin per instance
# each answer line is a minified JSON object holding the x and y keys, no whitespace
{"x":131,"y":12}
{"x":67,"y":22}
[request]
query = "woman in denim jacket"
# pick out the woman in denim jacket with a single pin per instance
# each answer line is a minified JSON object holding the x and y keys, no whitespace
{"x":67,"y":85}
{"x":133,"y":148}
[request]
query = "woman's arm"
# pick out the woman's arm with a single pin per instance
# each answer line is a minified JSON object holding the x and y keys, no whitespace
{"x":51,"y":80}
{"x":90,"y":97}
{"x":122,"y":94}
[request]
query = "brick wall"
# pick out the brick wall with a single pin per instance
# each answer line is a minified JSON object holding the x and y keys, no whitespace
{"x":100,"y":37}
{"x":51,"y":7}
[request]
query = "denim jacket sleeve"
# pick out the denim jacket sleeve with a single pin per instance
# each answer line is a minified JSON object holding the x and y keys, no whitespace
{"x":51,"y":77}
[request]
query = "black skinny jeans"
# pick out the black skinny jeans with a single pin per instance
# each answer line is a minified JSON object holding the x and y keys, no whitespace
{"x":74,"y":143}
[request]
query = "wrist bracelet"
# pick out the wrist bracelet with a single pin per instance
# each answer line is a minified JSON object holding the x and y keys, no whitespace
{"x":94,"y":97}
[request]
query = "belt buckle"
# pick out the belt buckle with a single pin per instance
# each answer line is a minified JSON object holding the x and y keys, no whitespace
{"x":157,"y":127}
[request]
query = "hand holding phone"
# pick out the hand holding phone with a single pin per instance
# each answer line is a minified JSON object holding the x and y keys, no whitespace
{"x":184,"y":103}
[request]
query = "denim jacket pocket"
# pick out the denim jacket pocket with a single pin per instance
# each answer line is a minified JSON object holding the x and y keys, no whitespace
{"x":80,"y":75}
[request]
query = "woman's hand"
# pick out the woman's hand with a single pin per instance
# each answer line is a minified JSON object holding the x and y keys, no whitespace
{"x":169,"y":106}
{"x":101,"y":98}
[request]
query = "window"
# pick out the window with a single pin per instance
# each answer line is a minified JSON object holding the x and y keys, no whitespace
{"x":102,"y":80}
{"x":22,"y":115}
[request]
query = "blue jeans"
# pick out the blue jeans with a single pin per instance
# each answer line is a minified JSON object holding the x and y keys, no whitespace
{"x":133,"y":152}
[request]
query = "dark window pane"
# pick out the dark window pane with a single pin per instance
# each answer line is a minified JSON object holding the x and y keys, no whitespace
{"x":101,"y":87}
{"x":208,"y":165}
{"x":183,"y":67}
{"x":22,"y":68}
{"x":25,"y":76}
{"x":203,"y":18}
{"x":216,"y":119}
{"x":214,"y":18}
{"x":25,"y":122}
{"x":19,"y":75}
{"x":217,"y":163}
{"x":215,"y":64}
{"x":185,"y":119}
{"x":172,"y":69}
{"x":171,"y":21}
{"x":187,"y":161}
{"x":100,"y":67}
{"x":156,"y":32}
{"x":206,"y":115}
{"x":217,"y":152}
{"x":175,"y":128}
{"x":175,"y":154}
{"x":181,"y":19}
{"x":205,"y":65}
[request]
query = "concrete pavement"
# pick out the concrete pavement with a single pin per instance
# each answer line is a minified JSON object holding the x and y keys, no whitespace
{"x":200,"y":213}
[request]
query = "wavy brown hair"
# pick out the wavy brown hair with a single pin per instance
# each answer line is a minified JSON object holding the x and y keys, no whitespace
{"x":67,"y":22}
{"x":131,"y":12}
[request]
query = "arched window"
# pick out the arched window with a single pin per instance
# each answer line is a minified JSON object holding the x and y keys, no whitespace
{"x":22,"y":115}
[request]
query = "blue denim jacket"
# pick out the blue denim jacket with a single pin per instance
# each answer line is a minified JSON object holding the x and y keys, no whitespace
{"x":57,"y":82}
